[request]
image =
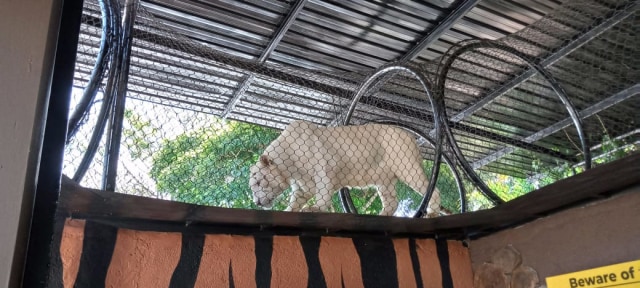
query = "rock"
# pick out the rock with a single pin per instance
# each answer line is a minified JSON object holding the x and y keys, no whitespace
{"x":507,"y":259}
{"x":524,"y":277}
{"x":490,"y":275}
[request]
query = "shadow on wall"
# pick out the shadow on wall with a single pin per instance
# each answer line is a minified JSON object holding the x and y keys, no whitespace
{"x":505,"y":270}
{"x":595,"y":234}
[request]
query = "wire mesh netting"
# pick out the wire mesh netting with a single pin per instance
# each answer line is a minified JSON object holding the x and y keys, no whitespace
{"x":585,"y":52}
{"x":221,"y":125}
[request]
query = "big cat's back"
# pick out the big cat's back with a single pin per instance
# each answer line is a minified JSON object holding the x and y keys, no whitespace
{"x":295,"y":136}
{"x":301,"y":134}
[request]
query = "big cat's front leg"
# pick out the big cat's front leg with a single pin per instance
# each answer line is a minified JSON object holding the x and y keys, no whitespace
{"x":298,"y":198}
{"x":323,"y":198}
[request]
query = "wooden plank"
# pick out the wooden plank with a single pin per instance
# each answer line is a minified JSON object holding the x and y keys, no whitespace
{"x":147,"y":213}
{"x":80,"y":202}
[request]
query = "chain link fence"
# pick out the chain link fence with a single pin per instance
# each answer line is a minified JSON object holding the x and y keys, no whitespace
{"x":215,"y":127}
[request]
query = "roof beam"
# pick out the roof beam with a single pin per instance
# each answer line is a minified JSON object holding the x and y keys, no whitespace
{"x":588,"y":112}
{"x":273,"y":43}
{"x":424,"y":116}
{"x":440,"y":29}
{"x":340,"y":92}
{"x":433,"y":35}
{"x":550,"y":60}
{"x":539,"y":176}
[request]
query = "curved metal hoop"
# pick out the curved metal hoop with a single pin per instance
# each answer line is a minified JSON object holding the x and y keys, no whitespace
{"x":114,"y":91}
{"x":107,"y":103}
{"x":106,"y":44}
{"x":560,"y":92}
{"x":443,"y":70}
{"x":364,"y":86}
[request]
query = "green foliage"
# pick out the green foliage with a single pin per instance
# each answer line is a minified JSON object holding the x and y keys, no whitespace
{"x":211,"y":166}
{"x":613,"y":149}
{"x":610,"y":150}
{"x":135,"y":134}
{"x":366,"y":201}
{"x":446,"y":184}
{"x":449,"y":194}
{"x":509,"y":187}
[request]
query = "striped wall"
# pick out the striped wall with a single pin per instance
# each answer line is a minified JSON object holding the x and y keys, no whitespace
{"x":92,"y":254}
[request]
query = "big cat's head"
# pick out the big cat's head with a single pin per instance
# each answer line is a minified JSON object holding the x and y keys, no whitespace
{"x":266,"y":182}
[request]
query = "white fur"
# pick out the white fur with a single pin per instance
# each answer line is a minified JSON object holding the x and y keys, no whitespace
{"x":317,"y":161}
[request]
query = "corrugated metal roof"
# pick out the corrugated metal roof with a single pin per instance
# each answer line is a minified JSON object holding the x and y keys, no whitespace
{"x":197,"y":55}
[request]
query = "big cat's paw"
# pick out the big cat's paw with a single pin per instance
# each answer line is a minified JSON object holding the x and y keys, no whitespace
{"x":311,"y":209}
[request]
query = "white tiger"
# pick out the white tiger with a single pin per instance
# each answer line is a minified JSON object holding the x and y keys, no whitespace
{"x":317,"y":161}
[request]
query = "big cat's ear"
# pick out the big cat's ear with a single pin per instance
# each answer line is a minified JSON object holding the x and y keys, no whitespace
{"x":264,"y":159}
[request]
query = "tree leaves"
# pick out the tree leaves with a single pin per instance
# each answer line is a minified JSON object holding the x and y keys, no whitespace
{"x":211,"y":166}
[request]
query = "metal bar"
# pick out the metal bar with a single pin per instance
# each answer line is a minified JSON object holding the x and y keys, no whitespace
{"x":96,"y":135}
{"x":291,"y":17}
{"x":562,"y":95}
{"x":425,"y":42}
{"x":115,"y":132}
{"x":346,"y":201}
{"x":588,"y":112}
{"x":45,"y":168}
{"x":232,"y":63}
{"x":251,"y":67}
{"x":621,"y":148}
{"x":437,"y":114}
{"x":623,"y":136}
{"x":423,"y":138}
{"x":107,"y":102}
{"x":440,"y":29}
{"x":90,"y":91}
{"x":618,"y":138}
{"x":388,"y":106}
{"x":246,"y":83}
{"x":554,"y":57}
{"x":464,"y":164}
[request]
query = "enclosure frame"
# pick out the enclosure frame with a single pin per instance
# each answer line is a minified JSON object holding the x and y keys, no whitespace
{"x":55,"y":114}
{"x":136,"y":211}
{"x":593,"y":184}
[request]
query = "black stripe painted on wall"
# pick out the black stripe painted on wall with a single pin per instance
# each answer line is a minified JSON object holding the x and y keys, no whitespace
{"x":55,"y":271}
{"x":415,"y":262}
{"x":442,"y":248}
{"x":231,"y":283}
{"x":264,"y":251}
{"x":311,"y":249}
{"x":377,"y":261}
{"x":186,"y":271}
{"x":97,"y":250}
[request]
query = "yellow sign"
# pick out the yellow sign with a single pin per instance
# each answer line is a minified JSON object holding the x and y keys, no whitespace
{"x":623,"y":275}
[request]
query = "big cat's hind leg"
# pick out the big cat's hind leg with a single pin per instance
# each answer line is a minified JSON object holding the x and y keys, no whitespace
{"x":389,"y":199}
